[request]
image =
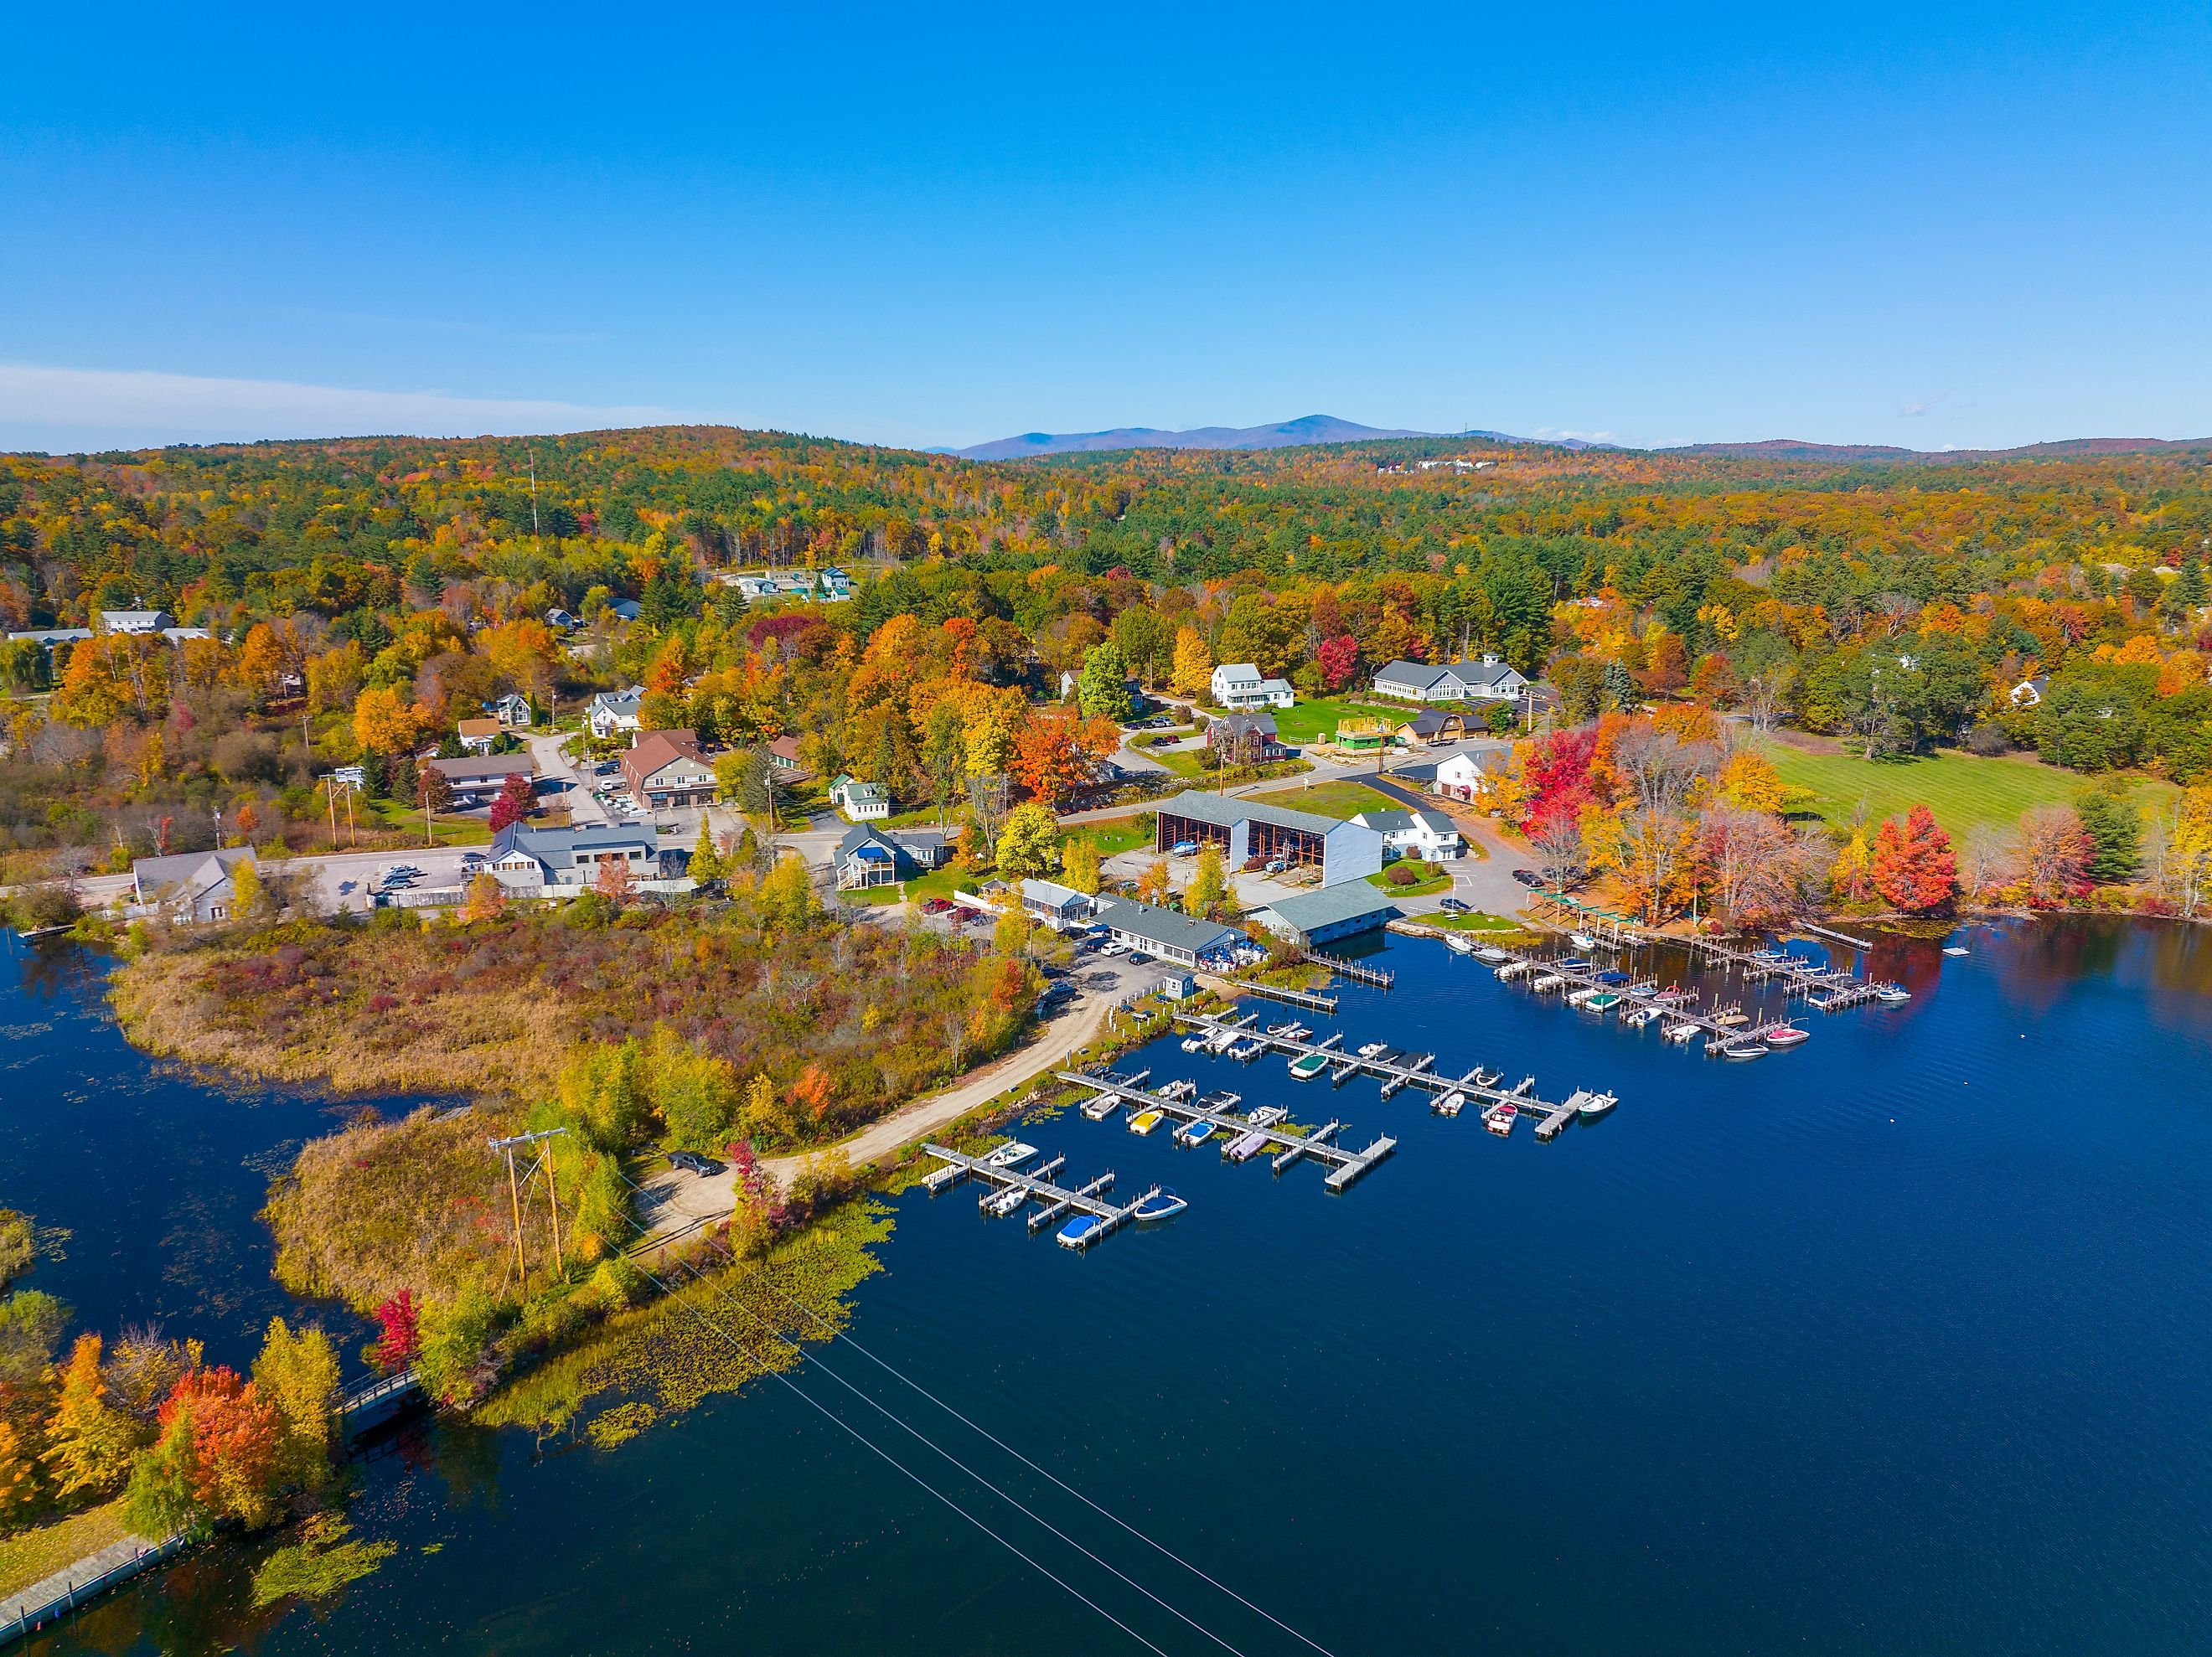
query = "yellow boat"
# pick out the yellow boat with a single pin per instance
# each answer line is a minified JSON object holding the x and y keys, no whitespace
{"x":1146,"y":1120}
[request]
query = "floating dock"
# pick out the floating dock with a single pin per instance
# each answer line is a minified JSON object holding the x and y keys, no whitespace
{"x":1344,"y":1166}
{"x":1395,"y":1071}
{"x":1058,"y":1200}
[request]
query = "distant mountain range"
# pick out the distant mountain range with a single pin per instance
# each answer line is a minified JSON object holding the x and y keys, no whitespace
{"x":1291,"y":434}
{"x":1329,"y":429}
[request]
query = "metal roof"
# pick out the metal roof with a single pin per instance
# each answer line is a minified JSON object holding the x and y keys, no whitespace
{"x":1348,"y":901}
{"x":1227,"y":811}
{"x":1165,"y":926}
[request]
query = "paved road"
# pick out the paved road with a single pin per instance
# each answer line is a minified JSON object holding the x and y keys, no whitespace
{"x":1485,"y":882}
{"x":585,"y":810}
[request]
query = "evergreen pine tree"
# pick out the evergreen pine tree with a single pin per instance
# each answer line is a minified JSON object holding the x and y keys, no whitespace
{"x":705,"y":862}
{"x":2114,"y":826}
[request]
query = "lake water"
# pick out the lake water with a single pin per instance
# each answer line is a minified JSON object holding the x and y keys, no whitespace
{"x":1894,"y":1343}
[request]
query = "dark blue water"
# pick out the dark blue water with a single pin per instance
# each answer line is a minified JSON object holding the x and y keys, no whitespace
{"x":1892,"y":1343}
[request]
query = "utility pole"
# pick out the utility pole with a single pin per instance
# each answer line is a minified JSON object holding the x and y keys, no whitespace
{"x":542,"y":1138}
{"x":534,"y":546}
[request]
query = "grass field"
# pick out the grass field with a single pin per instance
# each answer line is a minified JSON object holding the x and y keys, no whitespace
{"x":1438,"y":880}
{"x":1315,"y":721}
{"x":31,"y":1556}
{"x":1963,"y":791}
{"x":1329,"y":799}
{"x":1475,"y":921}
{"x":1118,"y":833}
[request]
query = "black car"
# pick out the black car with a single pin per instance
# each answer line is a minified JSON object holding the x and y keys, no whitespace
{"x":692,"y":1162}
{"x":1529,"y":878}
{"x":1453,"y":906}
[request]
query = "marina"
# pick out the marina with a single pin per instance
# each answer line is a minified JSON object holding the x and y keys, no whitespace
{"x":1255,"y":1132}
{"x":1096,"y":1217}
{"x":1396,"y":1072}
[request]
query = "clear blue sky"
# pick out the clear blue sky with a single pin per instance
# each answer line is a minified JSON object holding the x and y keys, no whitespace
{"x":1927,"y":227}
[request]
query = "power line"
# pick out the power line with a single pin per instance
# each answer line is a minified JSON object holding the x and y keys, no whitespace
{"x":700,"y":1276}
{"x":919,"y":1479}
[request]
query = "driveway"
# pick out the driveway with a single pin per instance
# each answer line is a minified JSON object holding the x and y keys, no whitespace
{"x":1484,"y":882}
{"x":575,"y":786}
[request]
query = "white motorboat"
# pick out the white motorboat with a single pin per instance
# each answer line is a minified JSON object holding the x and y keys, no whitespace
{"x":1547,"y":983}
{"x":1450,"y":1104}
{"x":1098,"y":1109}
{"x":1493,"y":953}
{"x":1596,"y":1104}
{"x":1003,"y":1203}
{"x":1013,"y":1154}
{"x":1159,"y":1203}
{"x":1891,"y":992}
{"x":1682,"y":1034}
{"x":1458,"y":944}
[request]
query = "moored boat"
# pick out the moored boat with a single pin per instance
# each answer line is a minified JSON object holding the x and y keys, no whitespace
{"x":1784,"y":1035}
{"x":1306,"y":1066}
{"x":1193,"y":1133}
{"x":1602,"y":1001}
{"x":1596,"y":1104}
{"x":1013,"y":1154}
{"x":1195,"y":1043}
{"x":1500,"y":1117}
{"x":1954,"y":949}
{"x":1639,"y":1017}
{"x":1159,"y":1203}
{"x":1891,"y":992}
{"x":1493,"y":953}
{"x":1681,"y":1034}
{"x":1267,"y":1116}
{"x":1458,"y":944}
{"x":1244,"y":1147}
{"x":1581,"y":940}
{"x":1744,"y":1050}
{"x":1370,"y":1049}
{"x":1081,"y":1231}
{"x":1003,"y":1203}
{"x":1100,"y":1106}
{"x":1450,"y":1104}
{"x":1547,"y":983}
{"x":1146,"y":1120}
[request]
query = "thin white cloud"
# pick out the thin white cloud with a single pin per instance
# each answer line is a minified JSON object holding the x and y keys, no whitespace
{"x":1925,"y":404}
{"x":62,"y":409}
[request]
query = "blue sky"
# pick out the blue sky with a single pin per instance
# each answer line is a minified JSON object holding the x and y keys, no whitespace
{"x":1933,"y":227}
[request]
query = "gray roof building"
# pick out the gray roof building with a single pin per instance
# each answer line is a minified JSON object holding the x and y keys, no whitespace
{"x":1245,"y":828}
{"x":1335,"y":912}
{"x":1181,"y":939}
{"x":194,"y":885}
{"x":523,"y":856}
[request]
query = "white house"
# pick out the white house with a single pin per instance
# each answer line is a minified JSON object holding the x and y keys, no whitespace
{"x":133,"y":621}
{"x":1058,"y":906}
{"x":613,"y":712}
{"x":513,"y":711}
{"x":1486,"y":681}
{"x":1426,"y":834}
{"x":863,"y":802}
{"x":1470,"y":773}
{"x":194,"y":886}
{"x":2029,"y":693}
{"x":1238,"y":685}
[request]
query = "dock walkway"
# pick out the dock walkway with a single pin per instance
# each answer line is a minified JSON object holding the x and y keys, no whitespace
{"x":1057,"y":1199}
{"x":1346,"y":1166}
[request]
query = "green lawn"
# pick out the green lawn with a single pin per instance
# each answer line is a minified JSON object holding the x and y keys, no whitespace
{"x":1965,"y":791}
{"x":1330,"y":799}
{"x":1438,"y":880}
{"x":1315,"y":721}
{"x":937,"y":882}
{"x":1475,"y":921}
{"x":1119,"y":834}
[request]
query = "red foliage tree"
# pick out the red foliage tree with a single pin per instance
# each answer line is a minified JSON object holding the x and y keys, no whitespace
{"x":235,"y":1437}
{"x":1912,"y":864}
{"x":516,"y":800}
{"x":1339,"y":659}
{"x":1556,"y":778}
{"x":400,"y":1321}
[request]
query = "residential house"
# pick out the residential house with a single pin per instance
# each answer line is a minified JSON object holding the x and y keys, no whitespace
{"x":478,"y":735}
{"x":1312,"y":918}
{"x":613,"y":712}
{"x":783,"y":754}
{"x":1246,"y":739}
{"x":561,"y":618}
{"x":192,"y":886}
{"x":513,"y":711}
{"x":1183,"y":939}
{"x":476,"y":777}
{"x":135,"y":621}
{"x":1245,"y":828}
{"x":564,"y":861}
{"x":1060,"y":908}
{"x":1238,"y":685}
{"x":665,"y":768}
{"x":625,"y":609}
{"x":180,"y":636}
{"x":2030,"y":693}
{"x":863,"y":802}
{"x":1427,"y":834}
{"x":868,"y":856}
{"x":1471,"y":773}
{"x":1429,"y":727}
{"x":1486,"y":681}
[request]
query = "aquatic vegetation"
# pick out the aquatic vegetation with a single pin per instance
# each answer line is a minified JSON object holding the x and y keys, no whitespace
{"x":620,"y":1424}
{"x":711,"y":1335}
{"x":324,"y":1560}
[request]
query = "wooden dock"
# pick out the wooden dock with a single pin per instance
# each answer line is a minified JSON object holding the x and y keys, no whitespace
{"x":1346,"y":1166}
{"x":1276,"y":992}
{"x":1396,"y":1073}
{"x":1381,"y":977}
{"x":1057,"y":1199}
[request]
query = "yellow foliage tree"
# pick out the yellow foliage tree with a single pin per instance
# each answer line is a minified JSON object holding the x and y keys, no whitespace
{"x":90,"y":1441}
{"x":384,"y":720}
{"x":1750,"y":780}
{"x":1192,"y":672}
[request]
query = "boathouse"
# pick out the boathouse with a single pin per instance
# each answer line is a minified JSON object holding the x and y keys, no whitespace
{"x":1247,"y":828}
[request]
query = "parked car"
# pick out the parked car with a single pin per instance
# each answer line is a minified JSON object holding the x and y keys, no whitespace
{"x":692,"y":1162}
{"x":1529,"y":878}
{"x":1453,"y":906}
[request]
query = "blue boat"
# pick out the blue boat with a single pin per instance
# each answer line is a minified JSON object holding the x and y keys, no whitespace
{"x":1613,"y":978}
{"x":1193,"y":1133}
{"x":1081,"y":1231}
{"x":1159,"y":1204}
